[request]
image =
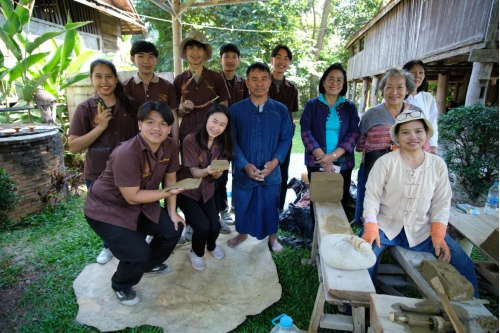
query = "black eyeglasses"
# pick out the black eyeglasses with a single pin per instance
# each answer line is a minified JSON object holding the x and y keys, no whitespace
{"x":413,"y":114}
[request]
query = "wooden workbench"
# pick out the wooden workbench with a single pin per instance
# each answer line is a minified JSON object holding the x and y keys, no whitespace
{"x":337,"y":286}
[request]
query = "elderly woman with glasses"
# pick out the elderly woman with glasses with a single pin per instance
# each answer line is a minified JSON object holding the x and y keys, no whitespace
{"x":375,"y":139}
{"x":408,"y":197}
{"x":329,"y":128}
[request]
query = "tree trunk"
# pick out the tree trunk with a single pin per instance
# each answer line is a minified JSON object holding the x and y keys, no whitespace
{"x":313,"y":80}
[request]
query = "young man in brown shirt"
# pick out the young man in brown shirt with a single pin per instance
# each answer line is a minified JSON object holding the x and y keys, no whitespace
{"x":198,"y":88}
{"x":145,"y":85}
{"x":122,"y":204}
{"x":238,"y":91}
{"x":287,"y":93}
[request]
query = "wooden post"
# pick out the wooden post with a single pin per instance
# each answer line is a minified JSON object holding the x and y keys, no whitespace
{"x":364,"y":95}
{"x":463,"y":89}
{"x":442,"y":90}
{"x":176,"y":38}
{"x":478,"y":84}
{"x":354,"y":94}
{"x":374,"y":95}
{"x":348,"y":93}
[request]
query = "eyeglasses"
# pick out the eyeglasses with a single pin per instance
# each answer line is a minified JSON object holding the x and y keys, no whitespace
{"x":331,"y":80}
{"x":413,"y":114}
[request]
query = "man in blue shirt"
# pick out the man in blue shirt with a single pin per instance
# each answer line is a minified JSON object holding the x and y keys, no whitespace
{"x":262,"y":134}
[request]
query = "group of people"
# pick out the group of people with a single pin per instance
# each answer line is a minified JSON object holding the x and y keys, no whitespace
{"x":146,"y":134}
{"x":135,"y":145}
{"x":403,"y":190}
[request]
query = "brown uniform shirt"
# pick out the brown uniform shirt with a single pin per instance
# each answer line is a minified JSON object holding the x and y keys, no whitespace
{"x":122,"y":127}
{"x":158,"y":89}
{"x":287,"y":94}
{"x":238,"y":90}
{"x":132,"y":164}
{"x":210,"y":85}
{"x":194,"y":157}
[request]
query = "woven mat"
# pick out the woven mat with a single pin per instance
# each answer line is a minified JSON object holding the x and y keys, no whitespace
{"x":216,"y":299}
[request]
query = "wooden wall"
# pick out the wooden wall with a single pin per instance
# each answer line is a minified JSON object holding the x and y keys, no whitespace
{"x":428,"y":30}
{"x":110,"y":32}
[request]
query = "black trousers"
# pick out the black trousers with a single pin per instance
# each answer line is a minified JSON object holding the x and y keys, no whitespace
{"x":220,"y":195}
{"x":284,"y":177}
{"x":346,"y":197}
{"x":130,"y":247}
{"x":204,"y":219}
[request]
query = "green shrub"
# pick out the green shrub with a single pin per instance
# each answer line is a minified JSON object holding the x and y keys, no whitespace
{"x":469,"y":135}
{"x":9,"y":197}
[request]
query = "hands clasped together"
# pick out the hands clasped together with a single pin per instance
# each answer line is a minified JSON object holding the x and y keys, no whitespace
{"x":259,"y":175}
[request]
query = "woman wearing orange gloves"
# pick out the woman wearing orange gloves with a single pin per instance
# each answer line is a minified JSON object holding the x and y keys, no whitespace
{"x":408,"y":197}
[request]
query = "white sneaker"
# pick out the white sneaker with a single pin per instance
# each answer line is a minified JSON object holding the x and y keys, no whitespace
{"x":197,"y":262}
{"x":104,"y":256}
{"x":218,"y":252}
{"x":224,"y":229}
{"x":226,"y":217}
{"x":188,"y":233}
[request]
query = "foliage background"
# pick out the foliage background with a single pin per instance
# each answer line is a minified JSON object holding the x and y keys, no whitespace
{"x":294,"y":23}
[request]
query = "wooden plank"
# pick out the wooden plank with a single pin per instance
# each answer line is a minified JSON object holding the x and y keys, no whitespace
{"x":410,"y":261}
{"x":485,"y":270}
{"x":490,"y":245}
{"x":319,"y":306}
{"x":395,"y":281}
{"x":438,"y":287}
{"x":386,"y":288}
{"x":488,"y":288}
{"x":483,"y":55}
{"x":390,"y":269}
{"x":337,"y":322}
{"x":358,"y":319}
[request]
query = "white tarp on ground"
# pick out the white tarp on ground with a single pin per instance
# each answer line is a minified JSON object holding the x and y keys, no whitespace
{"x":216,"y":299}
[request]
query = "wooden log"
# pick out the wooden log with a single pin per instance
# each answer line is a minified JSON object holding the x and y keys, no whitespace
{"x":436,"y":284}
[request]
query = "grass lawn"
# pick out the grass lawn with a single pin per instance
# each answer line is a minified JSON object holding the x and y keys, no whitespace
{"x":39,"y":264}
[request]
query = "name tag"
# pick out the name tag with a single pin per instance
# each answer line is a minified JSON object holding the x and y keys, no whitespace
{"x":165,"y":160}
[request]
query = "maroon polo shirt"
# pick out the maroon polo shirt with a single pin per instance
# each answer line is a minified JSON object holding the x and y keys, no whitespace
{"x":122,"y":127}
{"x":158,"y":89}
{"x":132,"y":164}
{"x":210,"y":85}
{"x":287,"y":94}
{"x":194,"y":157}
{"x":238,"y":90}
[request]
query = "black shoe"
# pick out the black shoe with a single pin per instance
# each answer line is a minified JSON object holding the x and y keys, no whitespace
{"x":162,"y":268}
{"x":128,"y":296}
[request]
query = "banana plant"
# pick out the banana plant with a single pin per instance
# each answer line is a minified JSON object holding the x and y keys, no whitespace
{"x":33,"y":67}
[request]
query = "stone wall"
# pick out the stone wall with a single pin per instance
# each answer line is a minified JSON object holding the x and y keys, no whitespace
{"x":30,"y":160}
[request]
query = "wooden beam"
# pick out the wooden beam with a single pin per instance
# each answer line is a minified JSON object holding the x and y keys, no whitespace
{"x":221,"y":3}
{"x":364,"y":95}
{"x":478,"y":84}
{"x":483,"y":55}
{"x":177,"y":37}
{"x":442,"y":91}
{"x":374,"y":93}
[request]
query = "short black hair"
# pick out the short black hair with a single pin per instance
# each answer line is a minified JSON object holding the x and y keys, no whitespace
{"x":230,"y":47}
{"x":158,"y":106}
{"x":339,"y":67}
{"x":195,"y":43}
{"x":143,"y":46}
{"x":284,"y":47}
{"x":407,"y":67}
{"x":258,"y":65}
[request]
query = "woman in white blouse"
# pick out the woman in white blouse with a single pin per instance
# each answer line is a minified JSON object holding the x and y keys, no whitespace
{"x":423,"y":99}
{"x":408,"y":197}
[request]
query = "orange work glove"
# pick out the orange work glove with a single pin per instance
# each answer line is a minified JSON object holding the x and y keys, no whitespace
{"x":370,"y":233}
{"x":438,"y":233}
